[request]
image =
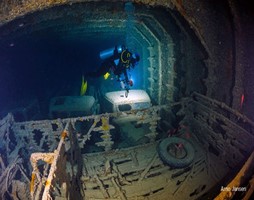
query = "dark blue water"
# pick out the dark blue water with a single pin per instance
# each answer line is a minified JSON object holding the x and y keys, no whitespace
{"x":47,"y":59}
{"x":41,"y":67}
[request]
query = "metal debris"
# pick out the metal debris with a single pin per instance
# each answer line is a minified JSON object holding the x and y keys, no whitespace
{"x":126,"y":173}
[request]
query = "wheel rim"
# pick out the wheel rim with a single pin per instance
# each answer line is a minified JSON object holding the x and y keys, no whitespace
{"x":177,"y":150}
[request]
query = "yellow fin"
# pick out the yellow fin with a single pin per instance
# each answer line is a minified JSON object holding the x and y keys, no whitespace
{"x":106,"y":75}
{"x":83,"y":87}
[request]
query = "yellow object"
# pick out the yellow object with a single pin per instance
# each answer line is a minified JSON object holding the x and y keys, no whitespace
{"x":105,"y":125}
{"x":64,"y":134}
{"x":83,"y":87}
{"x":47,"y":183}
{"x":106,"y":76}
{"x":32,"y":182}
{"x":105,"y":136}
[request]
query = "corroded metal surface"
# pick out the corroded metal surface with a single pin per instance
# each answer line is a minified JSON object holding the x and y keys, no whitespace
{"x":222,"y":138}
{"x":10,"y":9}
{"x":235,"y":185}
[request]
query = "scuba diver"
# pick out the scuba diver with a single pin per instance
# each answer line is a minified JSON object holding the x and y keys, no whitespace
{"x":119,"y":61}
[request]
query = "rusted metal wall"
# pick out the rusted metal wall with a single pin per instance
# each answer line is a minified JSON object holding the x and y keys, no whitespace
{"x":10,"y":9}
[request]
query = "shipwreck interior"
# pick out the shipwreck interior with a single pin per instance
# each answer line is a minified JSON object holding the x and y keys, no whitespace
{"x":188,"y":135}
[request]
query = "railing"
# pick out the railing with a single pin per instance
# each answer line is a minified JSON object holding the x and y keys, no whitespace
{"x":40,"y":183}
{"x":50,"y":158}
{"x":221,"y":130}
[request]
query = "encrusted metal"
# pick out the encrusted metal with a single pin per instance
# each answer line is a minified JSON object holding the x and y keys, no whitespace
{"x":222,"y":138}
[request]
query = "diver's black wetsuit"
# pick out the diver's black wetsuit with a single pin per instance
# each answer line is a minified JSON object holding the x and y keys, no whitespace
{"x":125,"y":61}
{"x":109,"y":65}
{"x":105,"y":67}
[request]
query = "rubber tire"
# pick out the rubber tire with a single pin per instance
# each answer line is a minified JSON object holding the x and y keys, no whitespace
{"x":170,"y":159}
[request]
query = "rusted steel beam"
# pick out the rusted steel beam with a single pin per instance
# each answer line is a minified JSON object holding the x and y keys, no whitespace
{"x":223,"y":106}
{"x":9,"y":10}
{"x":235,"y":185}
{"x":50,"y":158}
{"x":53,"y":167}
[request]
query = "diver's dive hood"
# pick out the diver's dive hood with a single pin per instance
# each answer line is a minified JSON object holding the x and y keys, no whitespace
{"x":110,"y":52}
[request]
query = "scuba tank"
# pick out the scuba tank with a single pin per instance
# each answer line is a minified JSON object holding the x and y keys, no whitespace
{"x":122,"y":84}
{"x":110,"y":52}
